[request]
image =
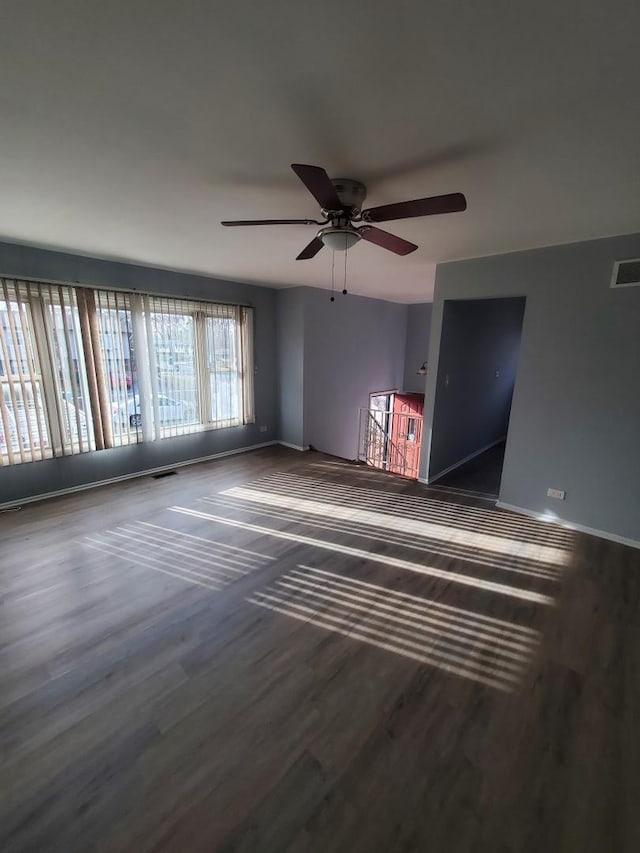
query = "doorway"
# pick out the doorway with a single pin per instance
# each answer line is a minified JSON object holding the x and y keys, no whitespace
{"x":477,"y":365}
{"x":391,"y":432}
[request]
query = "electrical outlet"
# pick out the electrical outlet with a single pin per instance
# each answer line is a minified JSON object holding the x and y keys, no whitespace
{"x":264,"y":428}
{"x":556,"y":493}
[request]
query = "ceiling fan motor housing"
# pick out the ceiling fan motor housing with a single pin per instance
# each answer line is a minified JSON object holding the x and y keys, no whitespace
{"x":351,"y":193}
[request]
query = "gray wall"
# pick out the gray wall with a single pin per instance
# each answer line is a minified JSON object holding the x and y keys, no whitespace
{"x":352,"y":347}
{"x":480,"y":338}
{"x":417,"y":346}
{"x":290,"y":334}
{"x":20,"y":481}
{"x":575,"y":417}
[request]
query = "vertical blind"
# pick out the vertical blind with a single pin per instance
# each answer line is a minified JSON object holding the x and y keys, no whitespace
{"x":84,"y":369}
{"x":42,"y":374}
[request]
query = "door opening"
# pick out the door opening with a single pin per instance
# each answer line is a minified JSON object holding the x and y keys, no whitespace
{"x":390,"y":433}
{"x":477,"y":364}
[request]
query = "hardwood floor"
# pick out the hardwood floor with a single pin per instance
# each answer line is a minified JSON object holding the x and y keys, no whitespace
{"x":283,"y":652}
{"x":481,"y":474}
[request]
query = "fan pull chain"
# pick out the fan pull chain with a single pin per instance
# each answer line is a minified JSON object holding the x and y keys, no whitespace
{"x":344,"y":286}
{"x":333,"y":275}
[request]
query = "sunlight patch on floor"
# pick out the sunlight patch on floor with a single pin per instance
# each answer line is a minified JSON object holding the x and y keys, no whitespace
{"x":368,"y":556}
{"x":490,"y":651}
{"x":503,"y":562}
{"x":499,"y":544}
{"x":418,"y":507}
{"x":189,"y":558}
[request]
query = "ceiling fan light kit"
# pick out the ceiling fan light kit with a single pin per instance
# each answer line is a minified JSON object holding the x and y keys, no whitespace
{"x":339,"y":238}
{"x":341,"y":201}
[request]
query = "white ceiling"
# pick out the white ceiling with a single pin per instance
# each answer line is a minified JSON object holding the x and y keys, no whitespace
{"x":129,"y":128}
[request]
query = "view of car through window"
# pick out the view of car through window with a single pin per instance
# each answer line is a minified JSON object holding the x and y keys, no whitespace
{"x":170,"y":411}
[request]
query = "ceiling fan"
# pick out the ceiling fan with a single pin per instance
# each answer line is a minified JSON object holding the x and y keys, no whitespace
{"x":341,"y":200}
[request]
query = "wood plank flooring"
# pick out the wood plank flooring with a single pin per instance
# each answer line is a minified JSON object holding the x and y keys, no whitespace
{"x":285,"y":652}
{"x":482,"y":474}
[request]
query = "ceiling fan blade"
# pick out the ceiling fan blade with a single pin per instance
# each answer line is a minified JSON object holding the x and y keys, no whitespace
{"x":311,"y":250}
{"x":319,"y":185}
{"x":272,"y":222}
{"x":420,"y":207}
{"x":386,"y":240}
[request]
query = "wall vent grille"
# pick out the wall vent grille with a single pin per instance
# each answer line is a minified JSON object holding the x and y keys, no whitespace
{"x":626,"y":273}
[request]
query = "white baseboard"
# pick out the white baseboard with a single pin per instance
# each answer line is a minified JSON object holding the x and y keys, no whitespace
{"x":463,"y":461}
{"x":571,"y":525}
{"x":292,"y":446}
{"x":149,"y":471}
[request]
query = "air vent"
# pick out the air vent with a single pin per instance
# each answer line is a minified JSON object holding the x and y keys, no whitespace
{"x":626,"y":273}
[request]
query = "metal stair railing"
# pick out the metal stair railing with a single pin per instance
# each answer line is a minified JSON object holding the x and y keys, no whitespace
{"x":386,"y":451}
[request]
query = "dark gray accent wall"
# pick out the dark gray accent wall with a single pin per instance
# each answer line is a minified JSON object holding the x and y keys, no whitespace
{"x":352,"y":347}
{"x":417,"y":346}
{"x":26,"y":480}
{"x":479,"y":348}
{"x":290,"y":332}
{"x":575,"y":416}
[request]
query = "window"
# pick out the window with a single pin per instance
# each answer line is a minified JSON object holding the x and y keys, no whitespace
{"x":84,"y":369}
{"x":175,"y":366}
{"x":174,"y":384}
{"x":42,"y":374}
